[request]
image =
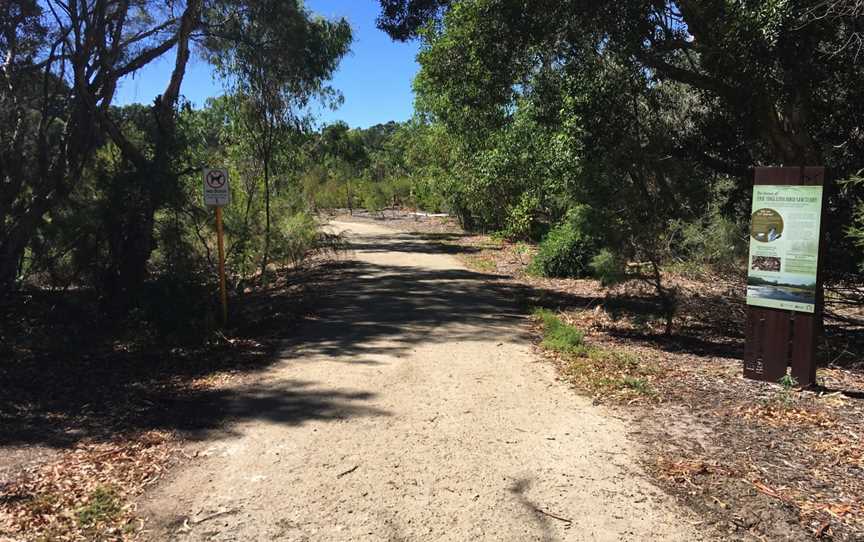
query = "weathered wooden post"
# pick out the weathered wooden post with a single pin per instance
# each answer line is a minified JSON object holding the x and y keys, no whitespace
{"x":784,"y":278}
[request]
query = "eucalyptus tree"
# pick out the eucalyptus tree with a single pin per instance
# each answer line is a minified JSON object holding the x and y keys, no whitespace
{"x":779,"y":70}
{"x":63,"y":62}
{"x":276,"y":57}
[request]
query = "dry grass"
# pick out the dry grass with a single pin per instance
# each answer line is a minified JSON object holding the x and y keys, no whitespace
{"x":602,"y":372}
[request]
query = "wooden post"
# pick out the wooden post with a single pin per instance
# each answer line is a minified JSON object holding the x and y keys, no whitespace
{"x":777,"y":339}
{"x":222,"y":288}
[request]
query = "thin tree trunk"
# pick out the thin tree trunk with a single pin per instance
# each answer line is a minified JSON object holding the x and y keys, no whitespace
{"x":266,"y":256}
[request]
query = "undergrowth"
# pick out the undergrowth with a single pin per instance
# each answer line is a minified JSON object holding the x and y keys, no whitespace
{"x":102,"y":507}
{"x":600,"y":371}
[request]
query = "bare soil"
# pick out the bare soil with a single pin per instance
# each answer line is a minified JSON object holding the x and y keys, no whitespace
{"x":752,"y":459}
{"x":413,"y":408}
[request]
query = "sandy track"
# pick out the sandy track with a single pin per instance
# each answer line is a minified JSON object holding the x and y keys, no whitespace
{"x":413,"y":408}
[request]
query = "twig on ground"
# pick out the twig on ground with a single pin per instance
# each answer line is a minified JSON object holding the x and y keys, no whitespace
{"x":213,"y":516}
{"x":349,"y":471}
{"x":559,"y":518}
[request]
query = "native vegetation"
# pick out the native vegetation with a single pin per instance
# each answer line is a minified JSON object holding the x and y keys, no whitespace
{"x":107,"y":198}
{"x":621,"y":137}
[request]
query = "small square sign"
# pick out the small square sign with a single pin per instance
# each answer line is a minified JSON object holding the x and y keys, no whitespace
{"x":216,"y":192}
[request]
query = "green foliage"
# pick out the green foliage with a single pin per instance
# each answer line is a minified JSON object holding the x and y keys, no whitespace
{"x":638,"y":385}
{"x":713,"y":242}
{"x":788,"y":382}
{"x":784,"y":397}
{"x":608,"y":268}
{"x":559,"y":336}
{"x":298,"y":236}
{"x":553,"y":105}
{"x":375,"y":197}
{"x":855,"y":230}
{"x":521,"y":221}
{"x":597,"y":369}
{"x":568,"y":249}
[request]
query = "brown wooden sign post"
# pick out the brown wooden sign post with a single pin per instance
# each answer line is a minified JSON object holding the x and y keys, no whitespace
{"x":779,"y":338}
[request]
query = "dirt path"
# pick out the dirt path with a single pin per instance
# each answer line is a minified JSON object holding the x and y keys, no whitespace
{"x":413,"y":409}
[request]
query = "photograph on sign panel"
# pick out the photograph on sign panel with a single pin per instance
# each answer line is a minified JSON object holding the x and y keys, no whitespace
{"x":765,"y":263}
{"x":804,"y":292}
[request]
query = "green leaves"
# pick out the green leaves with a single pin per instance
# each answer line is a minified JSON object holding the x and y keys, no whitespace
{"x":275,"y":50}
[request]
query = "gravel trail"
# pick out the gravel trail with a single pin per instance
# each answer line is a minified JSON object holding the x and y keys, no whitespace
{"x":413,"y":408}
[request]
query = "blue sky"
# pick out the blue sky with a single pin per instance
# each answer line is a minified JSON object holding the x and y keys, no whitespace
{"x":375,"y":78}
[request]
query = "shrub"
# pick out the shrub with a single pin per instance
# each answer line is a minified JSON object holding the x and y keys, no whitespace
{"x":375,"y":197}
{"x":298,"y":236}
{"x":521,"y":222}
{"x":608,"y":267}
{"x":714,"y":242}
{"x":568,"y":249}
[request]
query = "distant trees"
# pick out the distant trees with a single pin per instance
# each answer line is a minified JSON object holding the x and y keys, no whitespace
{"x":62,"y":64}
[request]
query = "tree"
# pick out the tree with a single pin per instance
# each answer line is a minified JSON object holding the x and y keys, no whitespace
{"x":277,"y":58}
{"x":345,"y":153}
{"x":63,"y":62}
{"x":659,"y":102}
{"x":60,"y":82}
{"x":772,"y":68}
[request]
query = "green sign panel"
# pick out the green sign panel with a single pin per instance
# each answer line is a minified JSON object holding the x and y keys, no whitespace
{"x":784,"y":247}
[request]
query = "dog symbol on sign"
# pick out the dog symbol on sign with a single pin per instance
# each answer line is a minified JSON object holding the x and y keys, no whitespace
{"x":215,"y":179}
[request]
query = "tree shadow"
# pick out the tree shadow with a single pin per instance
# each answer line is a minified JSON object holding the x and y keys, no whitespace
{"x":73,"y":388}
{"x":698,"y":337}
{"x":518,"y":489}
{"x":89,"y":383}
{"x":419,"y":243}
{"x":384,"y":311}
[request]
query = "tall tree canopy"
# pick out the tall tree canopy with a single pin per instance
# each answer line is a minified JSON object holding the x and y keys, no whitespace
{"x":784,"y":76}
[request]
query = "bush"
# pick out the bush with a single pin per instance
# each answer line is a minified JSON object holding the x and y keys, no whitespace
{"x":375,"y":197}
{"x":297,"y":236}
{"x":715,"y":242}
{"x":568,"y":249}
{"x":521,"y":222}
{"x":608,"y":268}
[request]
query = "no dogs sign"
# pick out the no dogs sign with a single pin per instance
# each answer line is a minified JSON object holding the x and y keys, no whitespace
{"x":216,"y":192}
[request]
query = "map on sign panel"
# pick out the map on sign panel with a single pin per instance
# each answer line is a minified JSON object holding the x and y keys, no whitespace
{"x":216,"y":190}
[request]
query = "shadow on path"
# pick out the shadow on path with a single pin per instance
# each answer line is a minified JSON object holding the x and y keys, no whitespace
{"x":381,"y":309}
{"x":56,"y":397}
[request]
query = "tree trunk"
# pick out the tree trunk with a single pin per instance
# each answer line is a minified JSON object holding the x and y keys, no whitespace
{"x":266,"y":256}
{"x":129,"y":222}
{"x":11,"y":253}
